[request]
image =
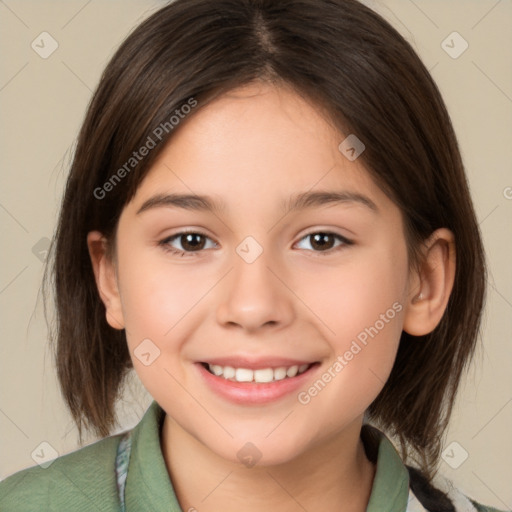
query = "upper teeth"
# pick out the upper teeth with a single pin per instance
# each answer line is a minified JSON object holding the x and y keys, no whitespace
{"x":261,"y":375}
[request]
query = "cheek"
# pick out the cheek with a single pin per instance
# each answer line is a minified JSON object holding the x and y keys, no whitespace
{"x":156,"y":295}
{"x":352,"y":296}
{"x":360,"y":306}
{"x":159,"y":301}
{"x":363,"y":351}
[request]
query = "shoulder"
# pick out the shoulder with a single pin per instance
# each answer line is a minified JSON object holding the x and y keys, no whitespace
{"x":482,"y":508}
{"x":81,"y":480}
{"x":441,"y":494}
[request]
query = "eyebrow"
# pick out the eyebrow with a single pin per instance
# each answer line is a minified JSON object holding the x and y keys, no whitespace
{"x":186,"y":201}
{"x":301,"y":201}
{"x":322,"y":198}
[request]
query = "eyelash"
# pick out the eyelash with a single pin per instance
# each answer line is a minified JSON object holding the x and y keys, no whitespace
{"x":165,"y":243}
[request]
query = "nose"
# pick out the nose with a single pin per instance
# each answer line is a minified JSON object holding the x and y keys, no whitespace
{"x":254,"y":296}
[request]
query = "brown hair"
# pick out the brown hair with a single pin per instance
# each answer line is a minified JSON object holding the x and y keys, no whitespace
{"x":368,"y":80}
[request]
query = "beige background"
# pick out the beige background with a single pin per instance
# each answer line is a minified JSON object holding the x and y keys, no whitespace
{"x":42,"y":103}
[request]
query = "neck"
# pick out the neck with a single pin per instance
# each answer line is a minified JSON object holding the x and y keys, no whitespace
{"x":332,"y":476}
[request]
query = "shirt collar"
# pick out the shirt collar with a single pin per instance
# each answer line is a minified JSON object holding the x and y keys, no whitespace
{"x":148,"y":485}
{"x":390,"y":490}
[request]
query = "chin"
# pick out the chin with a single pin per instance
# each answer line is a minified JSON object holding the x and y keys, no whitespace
{"x":259,"y":451}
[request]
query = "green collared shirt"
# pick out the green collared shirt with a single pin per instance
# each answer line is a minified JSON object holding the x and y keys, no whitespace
{"x":89,"y":479}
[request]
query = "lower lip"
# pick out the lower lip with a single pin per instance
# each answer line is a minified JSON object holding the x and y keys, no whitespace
{"x":253,"y":392}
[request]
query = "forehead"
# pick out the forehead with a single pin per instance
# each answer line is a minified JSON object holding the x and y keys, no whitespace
{"x":257,"y":140}
{"x":258,"y":120}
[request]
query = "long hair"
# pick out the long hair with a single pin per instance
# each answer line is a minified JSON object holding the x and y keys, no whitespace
{"x":367,"y":80}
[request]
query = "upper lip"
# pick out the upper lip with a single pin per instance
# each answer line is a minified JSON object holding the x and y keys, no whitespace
{"x":256,"y":363}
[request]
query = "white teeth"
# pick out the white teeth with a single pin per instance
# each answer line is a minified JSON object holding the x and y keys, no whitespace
{"x":292,"y":371}
{"x":261,"y":375}
{"x":243,"y":375}
{"x":216,"y":369}
{"x":228,"y":372}
{"x":279,"y":373}
{"x":266,"y":375}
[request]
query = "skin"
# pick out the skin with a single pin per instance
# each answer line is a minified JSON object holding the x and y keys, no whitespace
{"x":253,"y":149}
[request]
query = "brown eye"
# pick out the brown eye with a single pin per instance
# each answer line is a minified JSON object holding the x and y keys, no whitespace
{"x":192,"y":241}
{"x":187,"y":243}
{"x":323,"y":242}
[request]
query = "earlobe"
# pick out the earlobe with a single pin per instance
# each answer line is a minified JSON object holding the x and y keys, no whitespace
{"x":431,"y":284}
{"x":106,"y":279}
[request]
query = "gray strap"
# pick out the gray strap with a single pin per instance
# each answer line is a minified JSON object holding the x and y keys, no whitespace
{"x":122,"y":459}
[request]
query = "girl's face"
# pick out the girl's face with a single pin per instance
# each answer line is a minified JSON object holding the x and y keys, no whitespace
{"x":294,"y":259}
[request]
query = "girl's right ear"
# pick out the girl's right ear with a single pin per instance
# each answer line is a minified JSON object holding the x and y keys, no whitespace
{"x":106,"y":279}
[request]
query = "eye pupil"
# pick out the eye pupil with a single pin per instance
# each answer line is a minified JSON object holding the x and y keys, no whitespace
{"x":322,"y":241}
{"x":192,"y":241}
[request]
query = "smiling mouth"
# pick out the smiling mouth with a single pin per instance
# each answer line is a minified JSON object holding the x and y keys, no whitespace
{"x":259,"y":376}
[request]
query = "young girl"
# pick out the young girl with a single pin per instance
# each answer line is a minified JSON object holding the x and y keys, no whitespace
{"x":267,"y":218}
